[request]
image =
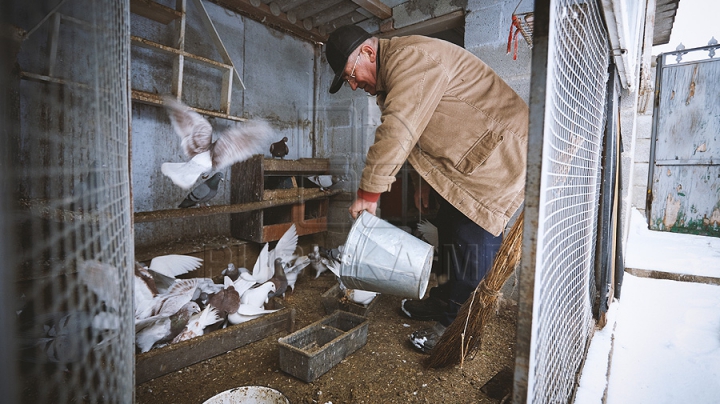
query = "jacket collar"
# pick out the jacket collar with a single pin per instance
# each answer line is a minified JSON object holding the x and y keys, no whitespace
{"x":379,"y":84}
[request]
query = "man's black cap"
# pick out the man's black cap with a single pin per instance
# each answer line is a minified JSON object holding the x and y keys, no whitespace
{"x":341,"y":43}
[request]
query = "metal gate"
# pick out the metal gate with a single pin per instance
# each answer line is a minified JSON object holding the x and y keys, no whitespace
{"x":565,"y":145}
{"x":684,"y":175}
{"x":71,"y":214}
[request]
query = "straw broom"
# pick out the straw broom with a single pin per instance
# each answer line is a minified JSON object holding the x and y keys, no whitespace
{"x":463,"y":336}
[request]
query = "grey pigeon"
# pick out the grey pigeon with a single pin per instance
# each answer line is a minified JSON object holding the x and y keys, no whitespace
{"x":325,"y":181}
{"x":203,"y":192}
{"x":279,"y":278}
{"x":280,"y":148}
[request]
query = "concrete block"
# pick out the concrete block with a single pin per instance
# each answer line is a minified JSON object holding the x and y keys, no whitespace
{"x":644,"y":126}
{"x":642,"y":150}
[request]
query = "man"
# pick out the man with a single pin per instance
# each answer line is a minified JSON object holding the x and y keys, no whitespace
{"x":464,"y":131}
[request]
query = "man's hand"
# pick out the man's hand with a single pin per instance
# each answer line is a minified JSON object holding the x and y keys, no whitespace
{"x":361,"y":204}
{"x":422,"y":196}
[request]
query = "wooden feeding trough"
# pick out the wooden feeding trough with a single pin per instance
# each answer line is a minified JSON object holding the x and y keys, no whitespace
{"x":334,"y":299}
{"x":173,"y":357}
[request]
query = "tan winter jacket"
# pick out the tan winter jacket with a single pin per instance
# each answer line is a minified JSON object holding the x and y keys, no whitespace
{"x":463,"y":129}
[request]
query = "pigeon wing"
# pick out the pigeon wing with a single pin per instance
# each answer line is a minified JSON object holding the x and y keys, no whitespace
{"x":261,"y":271}
{"x":174,"y":264}
{"x":286,"y":246}
{"x":429,"y":232}
{"x":240,"y":143}
{"x":195,"y":132}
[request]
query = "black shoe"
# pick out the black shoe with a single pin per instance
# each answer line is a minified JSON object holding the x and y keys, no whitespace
{"x":425,"y":340}
{"x":424,"y":310}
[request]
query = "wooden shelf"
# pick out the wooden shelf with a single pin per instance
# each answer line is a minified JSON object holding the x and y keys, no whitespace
{"x":309,"y":214}
{"x":154,"y":11}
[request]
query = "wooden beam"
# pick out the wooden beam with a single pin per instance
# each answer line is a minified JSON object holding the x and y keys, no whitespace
{"x":445,"y":22}
{"x":154,"y":11}
{"x":308,"y":194}
{"x":376,"y":8}
{"x":145,"y":97}
{"x":264,"y":15}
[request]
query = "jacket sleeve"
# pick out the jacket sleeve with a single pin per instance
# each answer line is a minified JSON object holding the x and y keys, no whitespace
{"x":415,"y":83}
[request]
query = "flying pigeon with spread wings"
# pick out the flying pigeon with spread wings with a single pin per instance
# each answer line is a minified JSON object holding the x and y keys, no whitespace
{"x":232,"y":145}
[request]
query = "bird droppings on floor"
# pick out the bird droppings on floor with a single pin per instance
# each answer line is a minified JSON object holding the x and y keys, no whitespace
{"x":387,"y":369}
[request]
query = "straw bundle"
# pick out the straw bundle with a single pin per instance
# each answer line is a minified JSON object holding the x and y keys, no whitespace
{"x":464,"y":335}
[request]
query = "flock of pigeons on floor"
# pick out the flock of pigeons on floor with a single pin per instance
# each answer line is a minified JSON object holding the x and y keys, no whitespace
{"x":170,"y":310}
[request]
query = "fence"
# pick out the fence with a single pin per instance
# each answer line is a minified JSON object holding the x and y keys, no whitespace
{"x":567,"y":122}
{"x":73,"y":249}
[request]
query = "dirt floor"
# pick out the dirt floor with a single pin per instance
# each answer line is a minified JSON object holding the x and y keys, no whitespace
{"x":386,"y":370}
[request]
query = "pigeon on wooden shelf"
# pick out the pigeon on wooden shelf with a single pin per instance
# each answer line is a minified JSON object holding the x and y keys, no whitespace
{"x":203,"y":192}
{"x":163,"y":329}
{"x":232,"y":146}
{"x":196,"y":326}
{"x":247,"y":312}
{"x":279,"y":278}
{"x":259,"y":295}
{"x":280,"y":148}
{"x":325,"y":181}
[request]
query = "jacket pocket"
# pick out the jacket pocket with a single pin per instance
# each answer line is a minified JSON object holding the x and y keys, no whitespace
{"x":479,"y":152}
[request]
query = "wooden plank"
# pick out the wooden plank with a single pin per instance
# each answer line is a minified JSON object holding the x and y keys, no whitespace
{"x":154,"y":11}
{"x":376,"y":8}
{"x":156,"y":99}
{"x":146,"y":43}
{"x":445,"y":22}
{"x":296,"y":167}
{"x":247,"y":184}
{"x":171,"y":358}
{"x":155,"y":215}
{"x":264,"y":15}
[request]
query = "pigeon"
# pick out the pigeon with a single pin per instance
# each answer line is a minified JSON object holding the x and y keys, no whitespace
{"x":293,"y":271}
{"x":279,"y":278}
{"x":203,"y":192}
{"x":149,"y":333}
{"x":258,"y":296}
{"x":325,"y":181}
{"x":173,"y":265}
{"x":232,"y":145}
{"x":280,"y":148}
{"x":319,"y":262}
{"x":247,"y":312}
{"x":225,"y":301}
{"x":284,"y":249}
{"x":167,"y":304}
{"x":196,"y":326}
{"x":429,"y":233}
{"x":358,"y":296}
{"x":95,"y":275}
{"x":231,"y":272}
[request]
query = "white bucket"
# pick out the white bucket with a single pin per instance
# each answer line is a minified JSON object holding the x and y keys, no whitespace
{"x":248,"y":395}
{"x":379,"y":257}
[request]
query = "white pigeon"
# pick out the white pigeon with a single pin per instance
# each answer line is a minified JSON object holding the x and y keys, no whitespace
{"x":196,"y":326}
{"x":167,"y":304}
{"x":65,"y":339}
{"x":429,"y":232}
{"x":264,"y":266}
{"x":232,"y":146}
{"x":247,"y":312}
{"x":97,"y":277}
{"x":318,"y":262}
{"x":148,"y":333}
{"x":293,"y":271}
{"x":259,"y":295}
{"x":359,"y":296}
{"x":173,"y":265}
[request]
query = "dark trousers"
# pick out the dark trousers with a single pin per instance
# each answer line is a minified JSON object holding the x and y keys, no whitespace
{"x":466,"y":254}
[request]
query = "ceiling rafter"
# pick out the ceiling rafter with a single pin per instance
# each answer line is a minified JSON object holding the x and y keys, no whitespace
{"x":376,"y":8}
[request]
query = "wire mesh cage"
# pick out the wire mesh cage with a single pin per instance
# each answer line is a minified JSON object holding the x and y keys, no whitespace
{"x":560,"y":321}
{"x":72,"y":219}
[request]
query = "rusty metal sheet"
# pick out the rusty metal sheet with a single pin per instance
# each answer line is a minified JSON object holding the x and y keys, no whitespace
{"x":684,"y":180}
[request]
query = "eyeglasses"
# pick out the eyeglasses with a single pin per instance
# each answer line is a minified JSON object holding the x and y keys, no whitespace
{"x":352,"y":73}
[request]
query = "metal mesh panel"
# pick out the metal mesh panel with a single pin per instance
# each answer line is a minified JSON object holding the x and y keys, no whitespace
{"x":73,"y":223}
{"x":568,"y":199}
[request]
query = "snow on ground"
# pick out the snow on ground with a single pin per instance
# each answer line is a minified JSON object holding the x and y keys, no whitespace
{"x":662,"y":339}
